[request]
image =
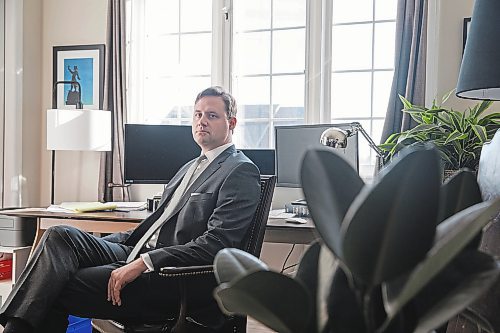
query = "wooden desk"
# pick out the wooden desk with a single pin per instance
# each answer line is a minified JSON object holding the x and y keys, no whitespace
{"x":277,"y":230}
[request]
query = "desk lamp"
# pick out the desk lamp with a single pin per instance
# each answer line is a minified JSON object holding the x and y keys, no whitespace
{"x":76,"y":129}
{"x":480,"y":70}
{"x":335,"y":137}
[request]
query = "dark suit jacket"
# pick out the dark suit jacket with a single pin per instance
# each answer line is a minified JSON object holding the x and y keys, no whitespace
{"x":214,"y":213}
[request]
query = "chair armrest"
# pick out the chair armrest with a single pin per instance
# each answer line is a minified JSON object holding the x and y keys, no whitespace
{"x":186,"y":271}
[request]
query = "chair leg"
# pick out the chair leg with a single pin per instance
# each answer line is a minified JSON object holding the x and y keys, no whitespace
{"x":181,"y":325}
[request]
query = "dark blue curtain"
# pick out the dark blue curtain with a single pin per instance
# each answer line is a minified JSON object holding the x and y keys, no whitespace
{"x":410,"y":62}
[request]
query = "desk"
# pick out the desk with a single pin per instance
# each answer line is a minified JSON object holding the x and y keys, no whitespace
{"x":277,"y":230}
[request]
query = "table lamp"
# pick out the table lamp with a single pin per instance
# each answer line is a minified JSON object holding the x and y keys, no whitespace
{"x":479,"y":76}
{"x":336,"y":137}
{"x":82,"y":129}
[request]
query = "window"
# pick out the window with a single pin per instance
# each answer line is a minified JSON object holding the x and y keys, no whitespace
{"x":362,"y":53}
{"x":286,"y":62}
{"x":268,"y":67}
{"x":169,"y":54}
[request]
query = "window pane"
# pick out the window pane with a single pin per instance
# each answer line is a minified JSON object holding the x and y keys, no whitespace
{"x":252,"y":134}
{"x":196,"y":15}
{"x":251,"y":15}
{"x":384,"y":45}
{"x":169,"y":11}
{"x":196,"y":54}
{"x":351,"y":95}
{"x":382,"y":82}
{"x":189,"y":88}
{"x":252,"y":97}
{"x":252,"y":53}
{"x":288,"y":96}
{"x":159,"y":92}
{"x":365,"y":152}
{"x":352,"y":10}
{"x":385,"y":9}
{"x":289,"y":51}
{"x":161,"y":56}
{"x":352,"y":47}
{"x":169,"y":98}
{"x":378,"y":126}
{"x":289,"y":13}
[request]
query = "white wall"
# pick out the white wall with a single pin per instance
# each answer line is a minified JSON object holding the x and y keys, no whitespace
{"x":69,"y":22}
{"x":445,"y":50}
{"x":32,"y":96}
{"x":21,"y":122}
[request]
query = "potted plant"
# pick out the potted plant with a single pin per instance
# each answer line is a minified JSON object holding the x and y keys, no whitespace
{"x":458,"y":136}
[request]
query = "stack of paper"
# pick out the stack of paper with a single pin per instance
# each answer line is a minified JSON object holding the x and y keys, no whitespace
{"x":81,"y":207}
{"x":129,"y":205}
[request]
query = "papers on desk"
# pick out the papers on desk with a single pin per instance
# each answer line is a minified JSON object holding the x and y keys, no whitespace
{"x":128,"y":206}
{"x":280,"y":214}
{"x":81,"y":207}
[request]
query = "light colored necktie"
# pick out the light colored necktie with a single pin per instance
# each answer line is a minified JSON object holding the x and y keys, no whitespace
{"x":169,"y":209}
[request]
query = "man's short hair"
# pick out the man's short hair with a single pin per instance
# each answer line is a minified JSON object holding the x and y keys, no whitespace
{"x":217,"y":91}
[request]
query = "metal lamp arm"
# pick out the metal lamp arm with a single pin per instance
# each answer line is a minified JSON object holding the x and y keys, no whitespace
{"x":79,"y":104}
{"x":358,"y":128}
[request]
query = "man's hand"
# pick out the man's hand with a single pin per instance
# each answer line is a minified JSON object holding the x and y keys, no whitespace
{"x":122,"y":276}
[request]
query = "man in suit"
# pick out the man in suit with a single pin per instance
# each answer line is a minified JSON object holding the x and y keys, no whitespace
{"x":207,"y":206}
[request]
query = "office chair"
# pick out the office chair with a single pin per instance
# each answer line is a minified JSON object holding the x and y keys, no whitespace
{"x":218,"y":322}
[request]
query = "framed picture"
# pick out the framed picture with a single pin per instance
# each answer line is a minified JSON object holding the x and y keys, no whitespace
{"x":78,"y":76}
{"x":465,"y":32}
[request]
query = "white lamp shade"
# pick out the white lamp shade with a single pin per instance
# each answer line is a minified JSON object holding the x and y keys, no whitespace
{"x":78,"y":130}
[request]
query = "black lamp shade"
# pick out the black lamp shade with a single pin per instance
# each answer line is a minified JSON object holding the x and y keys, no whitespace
{"x":480,"y":70}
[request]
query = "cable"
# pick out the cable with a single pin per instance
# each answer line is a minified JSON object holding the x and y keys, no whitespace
{"x":286,"y":259}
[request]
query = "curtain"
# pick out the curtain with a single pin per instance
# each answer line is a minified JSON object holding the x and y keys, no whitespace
{"x":111,"y":164}
{"x":410,"y":62}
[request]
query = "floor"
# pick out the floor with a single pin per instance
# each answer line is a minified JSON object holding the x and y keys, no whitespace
{"x":253,"y":326}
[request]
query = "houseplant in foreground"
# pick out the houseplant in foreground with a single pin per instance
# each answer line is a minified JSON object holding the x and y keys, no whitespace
{"x":458,"y":136}
{"x":399,"y":255}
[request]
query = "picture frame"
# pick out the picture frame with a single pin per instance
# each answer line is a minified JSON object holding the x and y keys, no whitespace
{"x":80,"y":67}
{"x":465,"y":32}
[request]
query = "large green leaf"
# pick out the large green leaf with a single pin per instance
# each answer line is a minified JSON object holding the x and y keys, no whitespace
{"x":406,"y":103}
{"x":390,"y":226}
{"x":452,"y":236}
{"x":483,"y":106}
{"x":345,"y":313}
{"x":307,"y":274}
{"x":480,"y":133}
{"x":230,"y":264}
{"x":455,"y":135}
{"x":459,"y":192}
{"x":277,"y":301}
{"x":421,"y":128}
{"x":461,"y":282}
{"x":330,"y":185}
{"x":447,"y":95}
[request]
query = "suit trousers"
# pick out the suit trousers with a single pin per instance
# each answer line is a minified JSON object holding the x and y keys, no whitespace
{"x":69,"y":273}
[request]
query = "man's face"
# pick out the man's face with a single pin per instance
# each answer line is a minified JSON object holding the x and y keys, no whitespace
{"x":211,"y":128}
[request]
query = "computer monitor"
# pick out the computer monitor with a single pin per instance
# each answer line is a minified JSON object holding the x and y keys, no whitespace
{"x":263,"y":159}
{"x":292,"y":142}
{"x":154,"y":153}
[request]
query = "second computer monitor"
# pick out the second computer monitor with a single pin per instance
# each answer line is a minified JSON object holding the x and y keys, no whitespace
{"x":292,"y":142}
{"x":263,"y":159}
{"x":154,"y":153}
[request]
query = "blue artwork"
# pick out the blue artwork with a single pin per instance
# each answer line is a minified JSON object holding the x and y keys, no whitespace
{"x":79,"y":70}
